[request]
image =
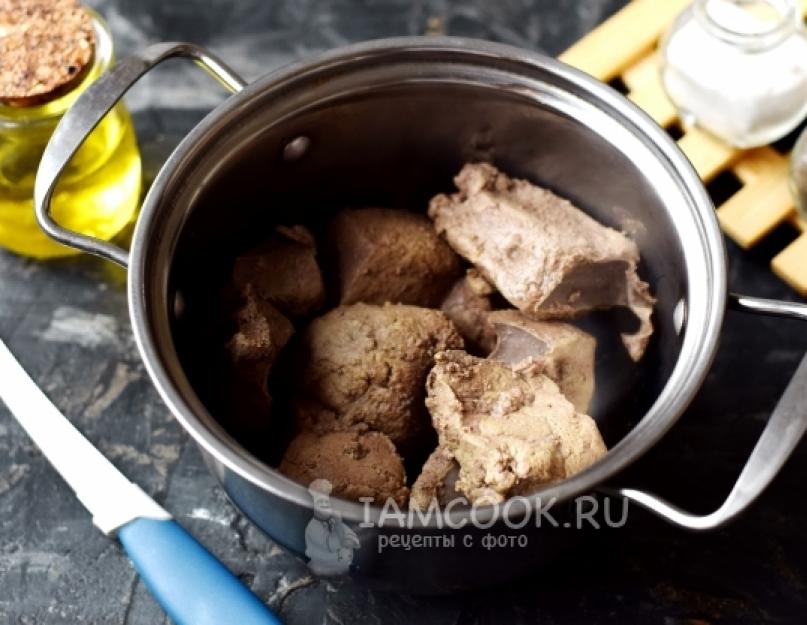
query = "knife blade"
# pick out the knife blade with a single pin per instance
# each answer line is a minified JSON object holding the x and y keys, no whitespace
{"x":192,"y":586}
{"x":112,"y":499}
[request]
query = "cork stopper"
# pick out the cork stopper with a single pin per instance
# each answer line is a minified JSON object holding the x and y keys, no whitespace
{"x":46,"y":47}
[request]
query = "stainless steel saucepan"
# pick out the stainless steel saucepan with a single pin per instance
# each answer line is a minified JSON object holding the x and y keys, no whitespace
{"x":389,"y":123}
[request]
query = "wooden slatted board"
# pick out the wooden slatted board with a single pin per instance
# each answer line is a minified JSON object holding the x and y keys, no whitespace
{"x":625,"y":47}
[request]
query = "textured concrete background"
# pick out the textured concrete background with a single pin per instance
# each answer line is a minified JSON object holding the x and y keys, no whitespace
{"x":67,"y":321}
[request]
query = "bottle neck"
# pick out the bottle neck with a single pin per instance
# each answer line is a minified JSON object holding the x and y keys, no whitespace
{"x":751,"y":25}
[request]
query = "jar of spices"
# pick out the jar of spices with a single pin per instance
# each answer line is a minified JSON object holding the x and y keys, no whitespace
{"x":738,"y":68}
{"x":49,"y":53}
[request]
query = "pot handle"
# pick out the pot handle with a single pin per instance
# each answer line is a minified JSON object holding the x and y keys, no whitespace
{"x":90,"y":108}
{"x":784,"y":430}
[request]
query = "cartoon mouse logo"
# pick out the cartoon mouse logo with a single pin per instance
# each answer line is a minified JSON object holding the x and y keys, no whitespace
{"x":329,"y":543}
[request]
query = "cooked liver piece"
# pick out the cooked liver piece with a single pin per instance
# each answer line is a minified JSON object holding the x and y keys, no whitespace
{"x":364,"y":366}
{"x":467,"y":305}
{"x":546,"y":256}
{"x":386,"y":255}
{"x":262,"y":332}
{"x":356,"y":464}
{"x":559,"y":350}
{"x":436,"y":481}
{"x":283,"y":271}
{"x":510,"y":432}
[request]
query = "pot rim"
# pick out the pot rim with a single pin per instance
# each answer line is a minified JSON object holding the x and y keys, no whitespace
{"x":698,"y":347}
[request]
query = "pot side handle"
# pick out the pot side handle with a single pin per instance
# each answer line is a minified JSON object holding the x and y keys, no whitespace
{"x":86,"y":113}
{"x":782,"y":433}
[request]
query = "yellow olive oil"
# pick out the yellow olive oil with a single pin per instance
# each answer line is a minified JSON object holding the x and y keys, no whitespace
{"x":99,"y":192}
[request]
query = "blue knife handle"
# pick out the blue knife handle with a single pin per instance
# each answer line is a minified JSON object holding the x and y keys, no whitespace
{"x":190,"y":584}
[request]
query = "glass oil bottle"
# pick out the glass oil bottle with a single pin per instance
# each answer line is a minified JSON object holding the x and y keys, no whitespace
{"x":98,"y":193}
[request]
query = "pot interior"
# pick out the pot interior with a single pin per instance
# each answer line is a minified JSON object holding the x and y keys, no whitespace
{"x":393,"y":131}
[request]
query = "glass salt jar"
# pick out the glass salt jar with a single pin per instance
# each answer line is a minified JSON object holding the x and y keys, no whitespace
{"x":738,"y":68}
{"x":99,"y":192}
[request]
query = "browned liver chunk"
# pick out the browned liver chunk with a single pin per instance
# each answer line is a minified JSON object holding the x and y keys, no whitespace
{"x":543,"y":254}
{"x":284,"y":272}
{"x":364,"y":366}
{"x":436,"y":481}
{"x":510,"y":432}
{"x":385,"y":255}
{"x":262,"y":332}
{"x":357,"y":465}
{"x":559,"y":350}
{"x":467,"y":305}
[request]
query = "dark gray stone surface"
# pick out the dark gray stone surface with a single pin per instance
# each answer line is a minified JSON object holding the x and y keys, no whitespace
{"x":67,"y":321}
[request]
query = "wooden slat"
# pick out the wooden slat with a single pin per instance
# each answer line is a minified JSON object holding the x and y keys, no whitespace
{"x":790,"y":264}
{"x":646,"y":91}
{"x":760,"y":163}
{"x":643,"y":73}
{"x":656,"y":104}
{"x":623,"y":38}
{"x":798,"y":222}
{"x":755,"y":210}
{"x":709,"y":155}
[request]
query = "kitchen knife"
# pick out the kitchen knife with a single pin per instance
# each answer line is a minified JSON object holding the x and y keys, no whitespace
{"x":191,"y":585}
